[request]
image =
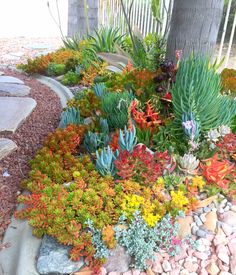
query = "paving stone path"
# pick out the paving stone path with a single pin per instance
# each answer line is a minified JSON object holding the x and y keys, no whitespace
{"x":14,"y":109}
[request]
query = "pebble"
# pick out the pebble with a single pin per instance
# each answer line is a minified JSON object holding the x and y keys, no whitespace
{"x":213,"y":269}
{"x":201,"y":248}
{"x":166,"y":266}
{"x":201,"y":233}
{"x":228,"y":230}
{"x":197,"y":220}
{"x":223,"y":257}
{"x":233,"y":208}
{"x":211,"y":220}
{"x":226,"y":208}
{"x":207,"y":209}
{"x":203,"y":217}
{"x":184,"y":272}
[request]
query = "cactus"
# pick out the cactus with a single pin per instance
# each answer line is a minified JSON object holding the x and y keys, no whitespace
{"x":93,"y":141}
{"x":127,"y":139}
{"x":188,"y":163}
{"x":70,"y":116}
{"x":99,"y":89}
{"x":105,"y":161}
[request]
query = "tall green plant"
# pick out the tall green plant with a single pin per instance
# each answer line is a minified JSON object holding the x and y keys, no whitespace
{"x":196,"y":93}
{"x":115,"y":106}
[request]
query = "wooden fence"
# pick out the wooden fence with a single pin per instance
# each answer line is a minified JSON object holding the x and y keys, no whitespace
{"x":110,"y":14}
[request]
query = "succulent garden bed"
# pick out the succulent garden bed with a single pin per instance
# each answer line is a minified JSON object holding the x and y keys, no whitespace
{"x":140,"y":174}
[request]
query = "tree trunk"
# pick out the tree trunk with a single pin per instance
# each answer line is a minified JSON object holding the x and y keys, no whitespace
{"x":81,"y":19}
{"x":194,"y":27}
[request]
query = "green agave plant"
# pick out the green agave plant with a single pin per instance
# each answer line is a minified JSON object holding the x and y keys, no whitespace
{"x":105,"y":39}
{"x":197,"y":92}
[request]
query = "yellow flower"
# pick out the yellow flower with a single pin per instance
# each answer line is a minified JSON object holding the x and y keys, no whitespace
{"x":198,"y":181}
{"x":131,"y":203}
{"x":151,"y":219}
{"x":178,"y":199}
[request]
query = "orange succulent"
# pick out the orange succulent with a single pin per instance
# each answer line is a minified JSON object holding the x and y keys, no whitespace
{"x":216,"y":171}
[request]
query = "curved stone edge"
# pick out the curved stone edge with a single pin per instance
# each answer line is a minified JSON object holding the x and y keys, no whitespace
{"x":62,"y":91}
{"x":20,"y":257}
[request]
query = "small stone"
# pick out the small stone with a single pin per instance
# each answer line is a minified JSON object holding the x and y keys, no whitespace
{"x":157,"y":267}
{"x":184,"y":226}
{"x":226,"y":208}
{"x":201,"y":248}
{"x":233,"y":265}
{"x":203,"y":272}
{"x":220,"y":238}
{"x":221,"y":210}
{"x":229,"y":218}
{"x":182,"y":255}
{"x":225,"y":273}
{"x":184,"y":272}
{"x":233,"y":208}
{"x":136,"y":272}
{"x":213,"y":269}
{"x":200,"y":255}
{"x":207,"y":209}
{"x":201,"y":233}
{"x":158,"y":257}
{"x":166,"y":266}
{"x":232,"y":247}
{"x":129,"y":272}
{"x":194,"y":229}
{"x":211,"y":219}
{"x":223,"y":257}
{"x":228,"y":230}
{"x":149,"y":272}
{"x":203,"y":217}
{"x":197,"y":220}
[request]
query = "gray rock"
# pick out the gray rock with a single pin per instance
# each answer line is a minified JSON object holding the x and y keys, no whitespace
{"x":197,"y":220}
{"x":10,"y":79}
{"x":226,"y":208}
{"x":13,"y":111}
{"x":13,"y":89}
{"x":203,"y":217}
{"x":201,"y":233}
{"x":54,"y":258}
{"x":119,"y":260}
{"x":6,"y":147}
{"x":194,"y":229}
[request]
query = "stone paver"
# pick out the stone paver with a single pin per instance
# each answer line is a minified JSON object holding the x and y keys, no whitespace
{"x":6,"y":147}
{"x":13,"y":111}
{"x":10,"y":79}
{"x":13,"y":89}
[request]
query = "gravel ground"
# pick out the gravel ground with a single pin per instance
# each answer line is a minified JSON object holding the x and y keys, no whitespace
{"x":29,"y":138}
{"x":17,"y":50}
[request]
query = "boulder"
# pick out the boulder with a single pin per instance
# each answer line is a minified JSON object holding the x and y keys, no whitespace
{"x":6,"y":147}
{"x":54,"y":258}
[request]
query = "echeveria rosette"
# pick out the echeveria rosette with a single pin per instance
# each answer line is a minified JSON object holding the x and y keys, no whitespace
{"x":190,"y":126}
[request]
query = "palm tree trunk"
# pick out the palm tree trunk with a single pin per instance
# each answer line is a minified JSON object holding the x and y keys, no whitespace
{"x":194,"y":27}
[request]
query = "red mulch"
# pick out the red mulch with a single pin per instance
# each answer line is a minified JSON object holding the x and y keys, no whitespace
{"x":29,"y":138}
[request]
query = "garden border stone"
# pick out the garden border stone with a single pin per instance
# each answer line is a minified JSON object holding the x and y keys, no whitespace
{"x":62,"y":91}
{"x":20,"y":257}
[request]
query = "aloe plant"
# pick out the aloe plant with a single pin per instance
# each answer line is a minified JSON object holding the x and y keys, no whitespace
{"x":70,"y":116}
{"x":105,"y":161}
{"x":127,"y":139}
